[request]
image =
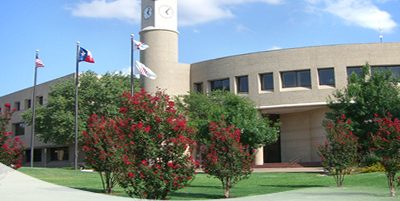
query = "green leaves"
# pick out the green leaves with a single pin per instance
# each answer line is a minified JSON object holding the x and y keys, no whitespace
{"x":97,"y":95}
{"x":235,"y":110}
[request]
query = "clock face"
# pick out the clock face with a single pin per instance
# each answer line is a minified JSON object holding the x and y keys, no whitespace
{"x":147,"y":12}
{"x":166,"y":11}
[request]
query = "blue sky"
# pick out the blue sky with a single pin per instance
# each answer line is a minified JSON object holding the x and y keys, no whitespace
{"x":208,"y":29}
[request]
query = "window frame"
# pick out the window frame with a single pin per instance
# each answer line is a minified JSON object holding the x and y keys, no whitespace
{"x":213,"y":82}
{"x":296,"y":76}
{"x":262,"y":83}
{"x":325,"y":83}
{"x":238,"y":84}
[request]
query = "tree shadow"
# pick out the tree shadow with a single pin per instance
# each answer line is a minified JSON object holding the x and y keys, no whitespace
{"x":93,"y":190}
{"x":195,"y":195}
{"x":294,"y":186}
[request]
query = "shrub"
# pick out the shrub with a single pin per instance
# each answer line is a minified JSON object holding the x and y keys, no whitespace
{"x":376,"y":167}
{"x":339,"y":152}
{"x":224,"y":157}
{"x":386,"y":145}
{"x":10,"y":148}
{"x":156,"y":141}
{"x":103,"y":150}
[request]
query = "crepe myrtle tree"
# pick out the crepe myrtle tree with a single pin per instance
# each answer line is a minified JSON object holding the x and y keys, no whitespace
{"x":225,"y":157}
{"x":339,"y":153}
{"x":386,"y":145}
{"x":156,"y":142}
{"x":103,"y":149}
{"x":10,"y":148}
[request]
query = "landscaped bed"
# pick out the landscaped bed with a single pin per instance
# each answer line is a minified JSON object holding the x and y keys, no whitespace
{"x":205,"y":187}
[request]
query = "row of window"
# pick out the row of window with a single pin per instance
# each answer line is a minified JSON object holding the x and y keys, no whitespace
{"x":290,"y":79}
{"x":27,"y":103}
{"x":56,"y":154}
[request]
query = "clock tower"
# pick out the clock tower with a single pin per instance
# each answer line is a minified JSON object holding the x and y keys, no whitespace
{"x":160,"y":32}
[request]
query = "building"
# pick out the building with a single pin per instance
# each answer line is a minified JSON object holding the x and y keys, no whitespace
{"x":289,"y":85}
{"x":45,"y":154}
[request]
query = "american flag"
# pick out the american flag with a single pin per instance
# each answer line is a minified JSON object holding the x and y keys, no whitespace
{"x":38,"y":62}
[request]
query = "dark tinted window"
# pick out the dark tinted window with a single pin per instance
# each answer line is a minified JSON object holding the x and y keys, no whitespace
{"x":296,"y":79}
{"x":267,"y":82}
{"x":242,"y":84}
{"x":326,"y":76}
{"x":220,"y":85}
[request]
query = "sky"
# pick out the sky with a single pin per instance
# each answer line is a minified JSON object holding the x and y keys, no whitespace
{"x":208,"y":29}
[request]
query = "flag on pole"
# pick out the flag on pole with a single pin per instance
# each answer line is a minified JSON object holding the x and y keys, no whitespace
{"x":145,"y":71}
{"x":85,"y":55}
{"x":38,"y":62}
{"x":140,"y":46}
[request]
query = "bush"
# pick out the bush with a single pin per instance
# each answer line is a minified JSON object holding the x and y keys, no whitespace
{"x":10,"y":148}
{"x":156,"y":142}
{"x":224,"y":157}
{"x":103,"y":149}
{"x":377,"y":167}
{"x":386,"y":145}
{"x":339,"y":152}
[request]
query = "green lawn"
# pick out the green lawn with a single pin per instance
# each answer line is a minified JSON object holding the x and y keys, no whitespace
{"x":205,"y":187}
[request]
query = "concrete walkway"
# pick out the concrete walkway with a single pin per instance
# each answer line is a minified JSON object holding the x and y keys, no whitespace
{"x":16,"y":186}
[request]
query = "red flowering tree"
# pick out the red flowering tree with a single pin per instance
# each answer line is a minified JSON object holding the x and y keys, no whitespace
{"x":156,"y":141}
{"x":339,"y":153}
{"x":224,"y":157}
{"x":10,"y":148}
{"x":386,"y":145}
{"x":103,"y":150}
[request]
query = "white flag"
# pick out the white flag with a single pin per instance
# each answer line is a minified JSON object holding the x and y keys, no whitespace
{"x":140,"y":46}
{"x":143,"y":70}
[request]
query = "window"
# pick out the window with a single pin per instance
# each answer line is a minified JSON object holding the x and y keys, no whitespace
{"x":59,"y":154}
{"x":326,"y":76}
{"x":17,"y":105}
{"x":18,"y":129}
{"x":28,"y":103}
{"x":355,"y":70}
{"x":267,"y":82}
{"x":198,"y":87}
{"x":395,"y":70}
{"x":296,"y":79}
{"x":40,"y":100}
{"x":220,"y":85}
{"x":242,"y":84}
{"x":37,"y":155}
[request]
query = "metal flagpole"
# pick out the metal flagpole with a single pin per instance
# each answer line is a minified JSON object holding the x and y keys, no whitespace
{"x":33,"y":111}
{"x":76,"y":106}
{"x":132,"y":59}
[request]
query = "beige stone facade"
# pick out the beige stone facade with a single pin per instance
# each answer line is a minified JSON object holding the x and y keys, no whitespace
{"x":46,"y":154}
{"x":300,"y":109}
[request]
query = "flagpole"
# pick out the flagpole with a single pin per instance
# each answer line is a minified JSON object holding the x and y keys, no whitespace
{"x":33,"y":112}
{"x":76,"y":106}
{"x":132,"y":59}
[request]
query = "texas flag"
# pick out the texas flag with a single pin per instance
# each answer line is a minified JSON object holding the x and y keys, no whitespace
{"x":85,"y":55}
{"x":143,"y":70}
{"x":140,"y":46}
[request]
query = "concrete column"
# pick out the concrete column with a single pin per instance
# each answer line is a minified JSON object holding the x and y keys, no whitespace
{"x":260,"y":156}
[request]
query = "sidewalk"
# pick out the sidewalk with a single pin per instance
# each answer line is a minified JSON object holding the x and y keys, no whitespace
{"x":16,"y":186}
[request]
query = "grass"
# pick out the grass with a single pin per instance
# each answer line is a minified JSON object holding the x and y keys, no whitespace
{"x":205,"y":187}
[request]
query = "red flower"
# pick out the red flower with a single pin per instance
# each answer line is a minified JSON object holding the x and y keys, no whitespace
{"x":144,"y":162}
{"x":7,"y":105}
{"x":147,"y":129}
{"x":131,"y":175}
{"x":123,"y":110}
{"x":170,"y":164}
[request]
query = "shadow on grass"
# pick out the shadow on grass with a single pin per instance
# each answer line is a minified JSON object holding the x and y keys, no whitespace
{"x":294,"y":186}
{"x":196,"y":195}
{"x":93,"y":190}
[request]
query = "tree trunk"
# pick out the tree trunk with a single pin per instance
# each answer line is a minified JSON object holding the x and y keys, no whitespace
{"x":390,"y":177}
{"x":227,"y":187}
